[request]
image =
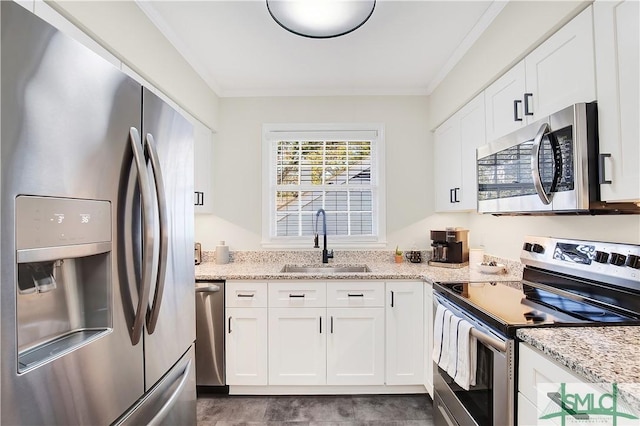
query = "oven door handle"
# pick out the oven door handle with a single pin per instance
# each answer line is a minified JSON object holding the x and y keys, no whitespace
{"x":484,"y":338}
{"x":535,"y":164}
{"x":497,"y":344}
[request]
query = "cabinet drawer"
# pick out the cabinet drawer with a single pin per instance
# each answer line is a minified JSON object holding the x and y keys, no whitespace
{"x":353,"y":294}
{"x":297,"y":294}
{"x":246,"y":294}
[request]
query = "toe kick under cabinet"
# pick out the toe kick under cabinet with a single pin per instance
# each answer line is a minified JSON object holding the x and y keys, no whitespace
{"x":324,"y":333}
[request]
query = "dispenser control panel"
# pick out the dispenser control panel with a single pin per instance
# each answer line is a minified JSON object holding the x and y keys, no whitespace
{"x":50,"y":221}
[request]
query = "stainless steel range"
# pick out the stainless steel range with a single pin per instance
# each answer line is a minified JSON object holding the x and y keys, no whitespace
{"x":565,"y":283}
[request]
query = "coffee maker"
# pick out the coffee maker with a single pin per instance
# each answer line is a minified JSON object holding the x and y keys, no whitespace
{"x":450,"y":248}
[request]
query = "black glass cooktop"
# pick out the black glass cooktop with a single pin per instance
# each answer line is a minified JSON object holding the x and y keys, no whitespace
{"x":507,"y":306}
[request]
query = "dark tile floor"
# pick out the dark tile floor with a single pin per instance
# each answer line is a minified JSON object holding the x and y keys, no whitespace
{"x":343,"y":410}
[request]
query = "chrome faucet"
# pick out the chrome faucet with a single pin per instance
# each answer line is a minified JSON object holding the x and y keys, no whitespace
{"x":326,"y":254}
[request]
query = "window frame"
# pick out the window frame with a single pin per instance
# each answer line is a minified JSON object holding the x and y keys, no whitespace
{"x":274,"y":132}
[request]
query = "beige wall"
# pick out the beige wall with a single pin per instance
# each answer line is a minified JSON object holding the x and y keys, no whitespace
{"x":238,"y":172}
{"x":124,"y":30}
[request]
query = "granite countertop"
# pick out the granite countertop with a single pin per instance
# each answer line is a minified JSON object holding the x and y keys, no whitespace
{"x":379,"y":270}
{"x":597,"y":354}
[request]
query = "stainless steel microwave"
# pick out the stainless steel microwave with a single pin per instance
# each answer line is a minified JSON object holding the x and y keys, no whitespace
{"x":548,"y":167}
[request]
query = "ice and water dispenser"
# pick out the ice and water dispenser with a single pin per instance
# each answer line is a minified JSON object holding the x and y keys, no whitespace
{"x":63,"y":288}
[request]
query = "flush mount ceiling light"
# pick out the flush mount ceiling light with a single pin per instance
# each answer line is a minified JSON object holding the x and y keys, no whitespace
{"x":320,"y":18}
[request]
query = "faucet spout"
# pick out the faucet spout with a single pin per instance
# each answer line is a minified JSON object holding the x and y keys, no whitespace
{"x":326,"y":254}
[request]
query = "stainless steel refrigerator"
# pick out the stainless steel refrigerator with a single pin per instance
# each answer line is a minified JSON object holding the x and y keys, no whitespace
{"x":97,"y":276}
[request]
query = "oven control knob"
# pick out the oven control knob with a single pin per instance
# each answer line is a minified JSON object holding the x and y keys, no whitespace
{"x":538,"y":248}
{"x":601,"y":257}
{"x":633,"y":261}
{"x":618,"y":259}
{"x":527,"y":246}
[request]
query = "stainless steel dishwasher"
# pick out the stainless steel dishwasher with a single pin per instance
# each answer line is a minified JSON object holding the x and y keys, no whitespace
{"x":210,"y":366}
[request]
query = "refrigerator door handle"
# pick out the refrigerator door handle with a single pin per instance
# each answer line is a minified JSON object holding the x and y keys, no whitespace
{"x":154,"y":310}
{"x":147,"y":226}
{"x":162,"y":413}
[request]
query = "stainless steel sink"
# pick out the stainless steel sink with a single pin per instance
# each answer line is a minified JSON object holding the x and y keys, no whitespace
{"x":338,"y":269}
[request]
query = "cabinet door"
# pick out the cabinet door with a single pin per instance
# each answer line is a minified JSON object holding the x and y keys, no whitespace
{"x":561,"y":71}
{"x":472,"y":135}
{"x":617,"y":53}
{"x":405,"y":337}
{"x":355,"y":346}
{"x":297,"y":346}
{"x":446,"y":155}
{"x":503,"y":103}
{"x":246,"y":346}
{"x":428,"y":337}
{"x":203,"y":181}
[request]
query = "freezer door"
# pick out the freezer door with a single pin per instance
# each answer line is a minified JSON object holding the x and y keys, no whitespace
{"x":66,"y":115}
{"x":171,"y":401}
{"x":170,"y":325}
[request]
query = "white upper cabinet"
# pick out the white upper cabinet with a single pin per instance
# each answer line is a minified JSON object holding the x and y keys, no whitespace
{"x":455,"y":146}
{"x":558,"y":73}
{"x":617,"y":38}
{"x":503,"y":101}
{"x":203,"y":158}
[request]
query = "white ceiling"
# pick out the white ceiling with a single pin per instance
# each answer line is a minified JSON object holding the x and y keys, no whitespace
{"x":405,"y":48}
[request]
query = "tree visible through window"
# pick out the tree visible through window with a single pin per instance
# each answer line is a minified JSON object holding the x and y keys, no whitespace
{"x":336,"y":172}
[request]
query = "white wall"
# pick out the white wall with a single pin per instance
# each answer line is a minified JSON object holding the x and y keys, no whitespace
{"x":238,"y":174}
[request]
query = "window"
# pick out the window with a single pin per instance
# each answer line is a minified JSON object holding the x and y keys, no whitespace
{"x":322,"y":166}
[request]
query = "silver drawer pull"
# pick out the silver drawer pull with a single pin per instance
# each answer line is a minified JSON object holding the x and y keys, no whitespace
{"x":355,"y":295}
{"x":246,"y":295}
{"x":296,"y":295}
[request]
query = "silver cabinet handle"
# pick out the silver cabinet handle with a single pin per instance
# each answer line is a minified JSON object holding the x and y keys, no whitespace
{"x":535,"y":164}
{"x":147,"y":224}
{"x":154,"y":311}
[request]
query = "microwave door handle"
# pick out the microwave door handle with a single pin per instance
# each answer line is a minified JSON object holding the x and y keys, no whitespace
{"x":147,"y":232}
{"x":535,"y":164}
{"x":153,"y":312}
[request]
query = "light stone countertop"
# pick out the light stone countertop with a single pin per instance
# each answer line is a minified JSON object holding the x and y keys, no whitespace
{"x":597,"y":354}
{"x":249,"y":266}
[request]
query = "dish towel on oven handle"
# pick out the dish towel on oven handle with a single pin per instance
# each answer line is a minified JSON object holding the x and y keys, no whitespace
{"x":457,"y":355}
{"x":467,"y":354}
{"x":438,"y":323}
{"x":441,"y":346}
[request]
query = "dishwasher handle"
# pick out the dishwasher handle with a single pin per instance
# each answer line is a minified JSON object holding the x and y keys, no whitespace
{"x":213,"y":288}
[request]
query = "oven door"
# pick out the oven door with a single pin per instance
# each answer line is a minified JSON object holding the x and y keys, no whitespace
{"x":540,"y":168}
{"x":491,"y":401}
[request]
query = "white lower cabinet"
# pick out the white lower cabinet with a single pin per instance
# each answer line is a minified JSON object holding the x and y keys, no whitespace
{"x":428,"y":337}
{"x":297,"y":346}
{"x":246,"y":332}
{"x":404,"y":333}
{"x":542,"y":382}
{"x":246,"y":346}
{"x":355,"y":346}
{"x":314,"y":333}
